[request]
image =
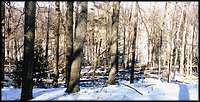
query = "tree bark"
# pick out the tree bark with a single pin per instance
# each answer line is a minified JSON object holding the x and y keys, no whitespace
{"x":124,"y":48}
{"x":47,"y":38}
{"x":57,"y":29}
{"x":191,"y":54}
{"x":29,"y":37}
{"x":69,"y":39}
{"x":114,"y":44}
{"x":134,"y":42}
{"x":182,"y":51}
{"x":171,"y":47}
{"x":2,"y":41}
{"x":81,"y":30}
{"x":177,"y":42}
{"x":129,"y":40}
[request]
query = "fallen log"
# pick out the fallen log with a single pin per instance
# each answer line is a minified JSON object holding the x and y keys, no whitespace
{"x":132,"y":88}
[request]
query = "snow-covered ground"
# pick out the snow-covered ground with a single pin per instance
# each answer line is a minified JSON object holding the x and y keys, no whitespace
{"x":150,"y":89}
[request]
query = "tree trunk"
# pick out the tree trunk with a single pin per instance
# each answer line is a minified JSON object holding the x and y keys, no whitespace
{"x":166,"y":52}
{"x":177,"y":42}
{"x":2,"y":41}
{"x":76,"y":19}
{"x":99,"y":52}
{"x":55,"y":82}
{"x":108,"y":33}
{"x":47,"y":38}
{"x":191,"y":53}
{"x":81,"y":30}
{"x":159,"y":57}
{"x":8,"y":30}
{"x":114,"y":44}
{"x":134,"y":43}
{"x":171,"y":47}
{"x":69,"y":39}
{"x":149,"y":50}
{"x":128,"y":52}
{"x":124,"y":49}
{"x":187,"y":61}
{"x":29,"y":37}
{"x":182,"y":51}
{"x":129,"y":40}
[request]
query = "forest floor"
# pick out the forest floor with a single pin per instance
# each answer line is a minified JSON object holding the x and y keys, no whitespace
{"x":146,"y":89}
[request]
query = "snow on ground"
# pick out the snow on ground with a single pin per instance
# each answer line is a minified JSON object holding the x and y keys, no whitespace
{"x":152,"y":89}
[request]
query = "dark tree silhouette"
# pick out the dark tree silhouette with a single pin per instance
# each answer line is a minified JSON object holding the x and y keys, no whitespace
{"x":29,"y":36}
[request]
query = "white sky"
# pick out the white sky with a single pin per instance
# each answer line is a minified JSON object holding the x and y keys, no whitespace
{"x":125,"y":4}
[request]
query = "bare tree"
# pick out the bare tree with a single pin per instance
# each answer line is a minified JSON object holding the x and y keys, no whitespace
{"x":2,"y":41}
{"x":129,"y":40}
{"x":57,"y":29}
{"x":114,"y":44}
{"x":134,"y":42}
{"x":78,"y":42}
{"x":47,"y":37}
{"x":29,"y":36}
{"x":182,"y":50}
{"x":191,"y":54}
{"x":69,"y":39}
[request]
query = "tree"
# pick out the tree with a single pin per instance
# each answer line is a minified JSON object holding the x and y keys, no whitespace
{"x":191,"y":54}
{"x":29,"y":36}
{"x":162,"y":30}
{"x":182,"y":51}
{"x":129,"y":38}
{"x":69,"y":39}
{"x":134,"y":42}
{"x":171,"y":47}
{"x":56,"y":71}
{"x":114,"y":44}
{"x":47,"y":38}
{"x":2,"y":41}
{"x":78,"y":42}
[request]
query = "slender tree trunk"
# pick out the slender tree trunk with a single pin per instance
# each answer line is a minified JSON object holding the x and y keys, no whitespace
{"x":182,"y":51}
{"x":8,"y":30}
{"x":170,"y":60}
{"x":2,"y":41}
{"x":47,"y":38}
{"x":124,"y":49}
{"x":81,"y":30}
{"x":99,"y":52}
{"x":187,"y":55}
{"x":159,"y":57}
{"x":69,"y":39}
{"x":191,"y":54}
{"x":15,"y":47}
{"x":29,"y":37}
{"x":129,"y":40}
{"x":108,"y":36}
{"x":76,"y":19}
{"x":161,"y":41}
{"x":149,"y":50}
{"x":177,"y":42}
{"x":172,"y":47}
{"x":134,"y":42}
{"x":95,"y":58}
{"x":57,"y":29}
{"x":128,"y":53}
{"x":114,"y":45}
